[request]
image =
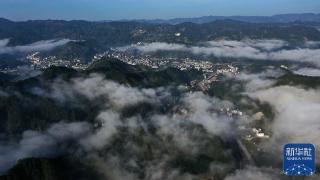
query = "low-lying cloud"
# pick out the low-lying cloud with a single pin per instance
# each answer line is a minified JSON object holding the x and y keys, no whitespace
{"x":252,"y":49}
{"x":41,"y":144}
{"x":297,"y":113}
{"x":95,"y":86}
{"x":187,"y":127}
{"x":308,"y":72}
{"x":254,"y":173}
{"x":263,"y":80}
{"x":296,"y":110}
{"x":121,"y":147}
{"x":44,"y":45}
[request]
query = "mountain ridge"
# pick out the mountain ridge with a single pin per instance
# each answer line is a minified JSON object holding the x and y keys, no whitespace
{"x":277,"y":18}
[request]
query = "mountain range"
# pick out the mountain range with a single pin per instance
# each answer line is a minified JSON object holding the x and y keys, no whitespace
{"x":280,"y":18}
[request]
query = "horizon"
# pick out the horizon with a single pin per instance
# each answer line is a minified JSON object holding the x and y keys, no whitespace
{"x":99,"y":10}
{"x":164,"y":19}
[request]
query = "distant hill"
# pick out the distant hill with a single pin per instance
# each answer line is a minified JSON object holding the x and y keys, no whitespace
{"x":97,"y":37}
{"x":10,"y":61}
{"x":298,"y":80}
{"x":102,"y":34}
{"x":118,"y":71}
{"x":281,"y":18}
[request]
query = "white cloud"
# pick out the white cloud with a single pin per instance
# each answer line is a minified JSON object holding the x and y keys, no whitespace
{"x":177,"y":129}
{"x":253,"y":173}
{"x":203,"y":111}
{"x":297,"y":113}
{"x":110,"y":121}
{"x":308,"y":72}
{"x":95,"y":86}
{"x":38,"y":144}
{"x":36,"y":46}
{"x":156,"y":46}
{"x":264,"y":44}
{"x":4,"y":42}
{"x":119,"y":95}
{"x":252,"y":49}
{"x":259,"y":81}
{"x":299,"y":55}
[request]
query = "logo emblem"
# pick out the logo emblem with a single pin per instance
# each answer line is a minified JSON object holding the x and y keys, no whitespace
{"x":299,"y":159}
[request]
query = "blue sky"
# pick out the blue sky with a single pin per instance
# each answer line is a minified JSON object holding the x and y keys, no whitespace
{"x":148,"y":9}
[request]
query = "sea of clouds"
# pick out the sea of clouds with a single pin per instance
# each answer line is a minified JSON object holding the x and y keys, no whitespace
{"x":296,"y":114}
{"x":296,"y":120}
{"x":193,"y":109}
{"x":267,"y":49}
{"x":44,"y":45}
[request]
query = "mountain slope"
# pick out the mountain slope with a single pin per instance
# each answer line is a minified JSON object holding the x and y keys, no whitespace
{"x":281,"y":18}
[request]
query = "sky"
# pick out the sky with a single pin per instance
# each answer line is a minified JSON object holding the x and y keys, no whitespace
{"x":148,"y":9}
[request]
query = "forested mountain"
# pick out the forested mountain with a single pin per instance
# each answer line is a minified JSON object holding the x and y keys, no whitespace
{"x":123,"y":33}
{"x":281,"y":18}
{"x":96,"y":37}
{"x":143,"y":100}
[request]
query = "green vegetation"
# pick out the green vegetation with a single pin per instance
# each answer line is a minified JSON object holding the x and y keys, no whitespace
{"x":10,"y":61}
{"x":294,"y":79}
{"x":61,"y":168}
{"x":37,"y":111}
{"x":98,"y":36}
{"x":118,"y":71}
